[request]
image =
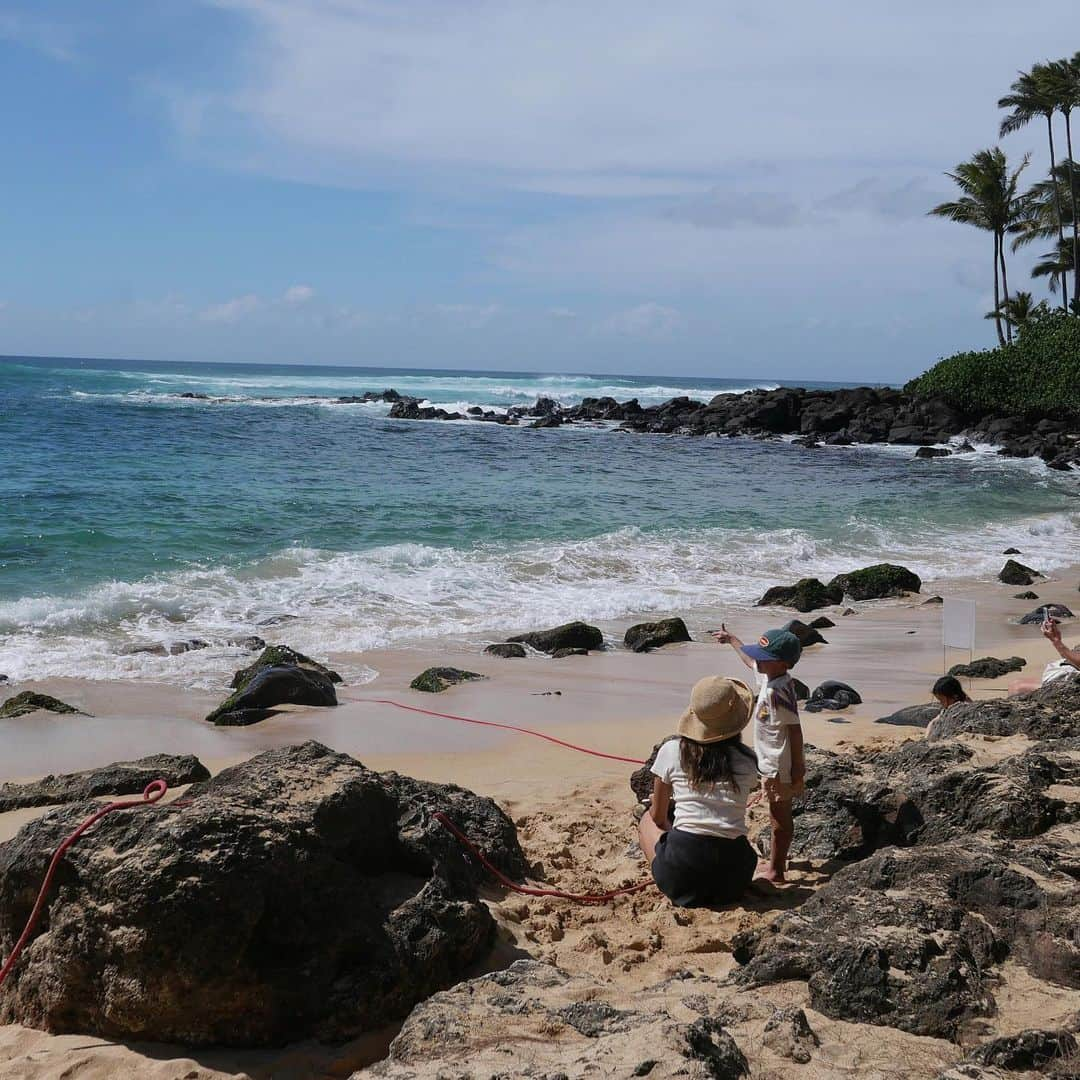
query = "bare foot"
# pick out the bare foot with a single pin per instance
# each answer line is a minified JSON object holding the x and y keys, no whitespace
{"x":765,"y":872}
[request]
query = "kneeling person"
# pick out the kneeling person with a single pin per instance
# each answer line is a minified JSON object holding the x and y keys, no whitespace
{"x":703,"y":858}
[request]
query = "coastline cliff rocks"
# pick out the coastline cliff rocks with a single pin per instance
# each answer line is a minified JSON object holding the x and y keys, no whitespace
{"x":841,"y":417}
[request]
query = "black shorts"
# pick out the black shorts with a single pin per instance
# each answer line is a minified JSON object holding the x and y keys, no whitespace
{"x":702,"y":871}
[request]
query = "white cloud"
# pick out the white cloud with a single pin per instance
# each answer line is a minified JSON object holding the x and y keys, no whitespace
{"x":297,"y":294}
{"x":468,"y":316}
{"x":649,"y":321}
{"x":613,"y":98}
{"x":231,"y":311}
{"x":52,"y":39}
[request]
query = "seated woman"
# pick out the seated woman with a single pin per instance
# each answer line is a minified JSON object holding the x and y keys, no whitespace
{"x":948,"y":691}
{"x":703,"y":857}
{"x":1064,"y":668}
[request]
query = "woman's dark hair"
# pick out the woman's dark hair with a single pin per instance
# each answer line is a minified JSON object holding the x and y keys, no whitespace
{"x":949,"y":687}
{"x":712,"y":763}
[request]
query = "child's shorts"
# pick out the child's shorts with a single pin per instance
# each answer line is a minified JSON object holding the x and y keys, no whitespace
{"x":702,"y":871}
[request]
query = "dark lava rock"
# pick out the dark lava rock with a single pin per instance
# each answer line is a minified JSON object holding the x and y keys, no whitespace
{"x":573,"y":635}
{"x":1051,"y":712}
{"x":1012,"y":551}
{"x":28,"y":702}
{"x":877,"y":582}
{"x":158,"y":648}
{"x":1014,"y":573}
{"x":989,"y":667}
{"x":3,"y":678}
{"x":508,"y":650}
{"x":912,"y":716}
{"x":1047,"y":611}
{"x":641,"y":779}
{"x":270,"y":687}
{"x":652,"y":635}
{"x":562,"y":654}
{"x":802,"y":691}
{"x":436,"y":679}
{"x":252,"y":643}
{"x":120,"y":778}
{"x":910,"y":938}
{"x":932,"y":452}
{"x":822,"y":622}
{"x":807,"y":635}
{"x":788,"y":1033}
{"x":535,"y":1020}
{"x":280,"y":656}
{"x":295,"y":896}
{"x":547,"y":422}
{"x":809,"y":594}
{"x":277,"y":620}
{"x":933,"y":600}
{"x":1026,"y":596}
{"x":1027,"y":1050}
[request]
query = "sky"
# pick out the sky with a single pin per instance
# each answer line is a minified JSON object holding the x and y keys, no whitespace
{"x":696,"y":188}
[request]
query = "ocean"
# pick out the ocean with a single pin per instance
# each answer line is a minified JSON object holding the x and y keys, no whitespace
{"x":131,"y":515}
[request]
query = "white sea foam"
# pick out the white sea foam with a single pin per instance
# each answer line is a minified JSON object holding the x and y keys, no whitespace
{"x":394,"y":595}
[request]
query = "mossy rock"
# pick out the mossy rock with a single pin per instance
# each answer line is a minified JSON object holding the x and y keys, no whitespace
{"x":808,"y":594}
{"x":28,"y":702}
{"x":877,"y":582}
{"x":437,"y":679}
{"x":1016,"y":573}
{"x":280,"y":656}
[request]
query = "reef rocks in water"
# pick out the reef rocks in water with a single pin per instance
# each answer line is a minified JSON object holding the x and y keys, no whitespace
{"x":297,"y":895}
{"x":29,"y":701}
{"x":119,"y":778}
{"x":535,"y":1020}
{"x":808,"y":594}
{"x":654,"y":635}
{"x":988,"y":667}
{"x":1016,"y":573}
{"x":434,"y":680}
{"x":877,"y":582}
{"x":572,"y":635}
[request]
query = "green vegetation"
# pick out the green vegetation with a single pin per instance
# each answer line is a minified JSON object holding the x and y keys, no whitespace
{"x":1039,"y":370}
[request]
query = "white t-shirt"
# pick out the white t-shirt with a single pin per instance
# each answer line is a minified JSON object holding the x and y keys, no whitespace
{"x":776,"y":711}
{"x":714,"y":809}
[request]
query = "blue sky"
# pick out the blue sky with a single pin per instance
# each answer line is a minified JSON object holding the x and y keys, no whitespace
{"x":695,"y":188}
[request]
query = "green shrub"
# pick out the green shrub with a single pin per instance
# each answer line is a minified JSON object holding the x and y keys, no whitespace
{"x":1040,"y":370}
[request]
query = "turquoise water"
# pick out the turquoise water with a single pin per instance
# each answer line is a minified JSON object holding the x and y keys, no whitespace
{"x":131,"y":515}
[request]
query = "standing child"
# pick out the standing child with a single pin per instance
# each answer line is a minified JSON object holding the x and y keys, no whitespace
{"x":778,"y":738}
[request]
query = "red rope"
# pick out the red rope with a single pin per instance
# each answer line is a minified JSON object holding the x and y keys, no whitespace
{"x":151,"y":794}
{"x":505,"y":727}
{"x":577,"y":898}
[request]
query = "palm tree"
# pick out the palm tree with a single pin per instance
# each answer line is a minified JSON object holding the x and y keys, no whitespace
{"x":1020,"y":309}
{"x":1062,"y":80}
{"x":1055,"y":264}
{"x":989,"y":201}
{"x":1031,"y":95}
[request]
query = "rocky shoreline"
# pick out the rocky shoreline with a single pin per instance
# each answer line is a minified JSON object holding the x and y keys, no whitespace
{"x":844,"y":417}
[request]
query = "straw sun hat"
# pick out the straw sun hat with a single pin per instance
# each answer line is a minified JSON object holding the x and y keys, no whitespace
{"x":719,"y":708}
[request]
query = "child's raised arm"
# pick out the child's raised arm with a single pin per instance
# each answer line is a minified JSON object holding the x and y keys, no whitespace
{"x":724,"y":636}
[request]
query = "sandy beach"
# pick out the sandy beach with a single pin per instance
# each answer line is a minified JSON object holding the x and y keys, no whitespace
{"x":572,"y":810}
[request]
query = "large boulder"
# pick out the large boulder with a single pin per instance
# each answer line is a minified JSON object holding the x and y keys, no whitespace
{"x":535,"y":1020}
{"x":913,"y":938}
{"x":280,"y":656}
{"x":808,"y":594}
{"x":269,"y":688}
{"x":572,"y":635}
{"x":297,"y":895}
{"x":1051,"y":712}
{"x":877,"y":582}
{"x":28,"y":702}
{"x":434,"y":680}
{"x":120,"y":778}
{"x":1016,"y":573}
{"x":652,"y":635}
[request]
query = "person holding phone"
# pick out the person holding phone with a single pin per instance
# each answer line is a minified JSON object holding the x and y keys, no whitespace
{"x":1064,"y":668}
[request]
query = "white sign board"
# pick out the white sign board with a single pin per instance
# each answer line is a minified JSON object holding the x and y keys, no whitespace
{"x":958,"y":625}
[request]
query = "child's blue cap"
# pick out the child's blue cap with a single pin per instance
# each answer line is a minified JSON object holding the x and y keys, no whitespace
{"x":776,"y":645}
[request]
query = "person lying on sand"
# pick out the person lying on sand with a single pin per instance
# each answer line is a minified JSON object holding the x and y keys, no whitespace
{"x":778,"y":738}
{"x":704,"y":859}
{"x":1064,"y":668}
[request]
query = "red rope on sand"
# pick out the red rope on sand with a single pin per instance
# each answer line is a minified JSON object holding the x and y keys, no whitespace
{"x":151,"y":794}
{"x":577,"y":898}
{"x":505,"y":727}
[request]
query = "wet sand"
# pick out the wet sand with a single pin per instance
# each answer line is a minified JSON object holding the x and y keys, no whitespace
{"x":572,"y":810}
